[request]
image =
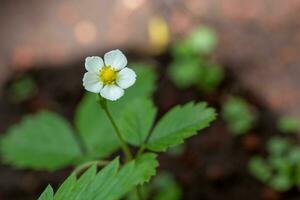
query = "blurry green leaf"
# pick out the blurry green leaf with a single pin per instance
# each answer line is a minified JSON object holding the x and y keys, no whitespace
{"x":111,"y":183}
{"x":260,"y":168}
{"x":294,"y":155}
{"x":211,"y":77}
{"x":182,"y":49}
{"x":296,"y":176}
{"x":180,"y":123}
{"x":42,"y":141}
{"x":22,"y":89}
{"x":136,"y":120}
{"x":203,"y":40}
{"x":281,"y":182}
{"x":278,"y":146}
{"x":47,"y":194}
{"x":92,"y":123}
{"x":166,"y":187}
{"x":238,"y":114}
{"x":288,"y":124}
{"x":185,"y":73}
{"x":281,"y":165}
{"x":176,"y":151}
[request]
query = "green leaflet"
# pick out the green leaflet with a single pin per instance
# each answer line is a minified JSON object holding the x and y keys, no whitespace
{"x":111,"y":183}
{"x":42,"y":141}
{"x":180,"y":123}
{"x":136,"y":120}
{"x":92,"y":123}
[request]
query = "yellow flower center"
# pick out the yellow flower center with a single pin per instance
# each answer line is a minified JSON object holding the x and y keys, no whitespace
{"x":108,"y":75}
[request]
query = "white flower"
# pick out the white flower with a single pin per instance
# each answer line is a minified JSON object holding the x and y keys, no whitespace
{"x":108,"y":78}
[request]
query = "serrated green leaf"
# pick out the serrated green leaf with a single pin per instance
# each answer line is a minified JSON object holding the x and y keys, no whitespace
{"x":42,"y":141}
{"x":136,"y":120}
{"x":111,"y":183}
{"x":65,"y":190}
{"x":92,"y":123}
{"x":180,"y":123}
{"x":47,"y":194}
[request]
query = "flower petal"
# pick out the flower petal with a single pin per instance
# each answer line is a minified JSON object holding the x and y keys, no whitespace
{"x":116,"y":59}
{"x":93,"y":63}
{"x":126,"y":78}
{"x":112,"y":92}
{"x":91,"y":82}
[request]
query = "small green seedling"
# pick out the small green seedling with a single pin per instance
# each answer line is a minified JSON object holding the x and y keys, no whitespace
{"x":190,"y":67}
{"x":281,"y":169}
{"x":288,"y":124}
{"x":22,"y":89}
{"x":239,"y":115}
{"x":112,"y":119}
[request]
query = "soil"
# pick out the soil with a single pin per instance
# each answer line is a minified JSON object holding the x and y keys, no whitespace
{"x":213,"y":165}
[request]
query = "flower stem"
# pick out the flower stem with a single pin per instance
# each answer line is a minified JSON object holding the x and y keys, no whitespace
{"x":124,"y":145}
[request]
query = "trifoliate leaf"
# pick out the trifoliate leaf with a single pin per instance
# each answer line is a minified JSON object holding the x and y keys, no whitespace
{"x":42,"y":141}
{"x":111,"y":183}
{"x":136,"y":120}
{"x":92,"y":123}
{"x":180,"y":123}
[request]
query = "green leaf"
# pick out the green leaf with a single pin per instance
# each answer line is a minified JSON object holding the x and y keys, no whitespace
{"x":22,"y":89}
{"x":43,"y":141}
{"x":278,"y":146}
{"x":47,"y":194}
{"x":92,"y":123}
{"x":281,"y":182}
{"x":111,"y":183}
{"x":166,"y":187}
{"x":185,"y":72}
{"x":239,"y":115}
{"x":211,"y":77}
{"x":180,"y":123}
{"x":203,"y":40}
{"x":288,"y":124}
{"x":136,"y":120}
{"x":260,"y":168}
{"x":65,"y":190}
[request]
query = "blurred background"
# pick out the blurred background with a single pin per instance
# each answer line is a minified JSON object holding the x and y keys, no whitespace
{"x":255,"y":43}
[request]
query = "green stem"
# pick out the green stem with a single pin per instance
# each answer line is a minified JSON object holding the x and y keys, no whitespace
{"x":124,"y":145}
